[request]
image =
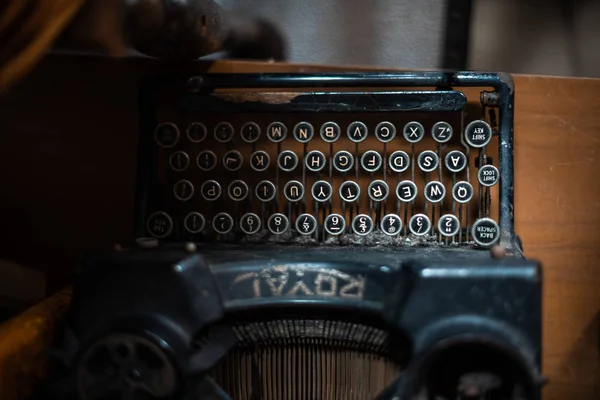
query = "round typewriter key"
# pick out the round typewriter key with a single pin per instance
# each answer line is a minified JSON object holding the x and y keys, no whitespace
{"x":194,"y":222}
{"x":303,"y":132}
{"x":399,"y":161}
{"x":306,"y":224}
{"x":159,"y":225}
{"x":378,"y":190}
{"x":413,"y":132}
{"x":196,"y":132}
{"x":224,"y":132}
{"x":441,"y":132}
{"x":343,"y":161}
{"x":349,"y":191}
{"x":293,"y":191}
{"x":419,"y":224}
{"x":183,"y":190}
{"x":315,"y":161}
{"x":207,"y":160}
{"x":276,"y":132}
{"x":435,"y":191}
{"x":210,"y":190}
{"x":362,"y":225}
{"x":250,"y":223}
{"x":357,"y":131}
{"x":238,"y":190}
{"x":428,"y":161}
{"x":232,"y":160}
{"x":321,"y":191}
{"x":391,"y":224}
{"x":371,"y":161}
{"x":488,"y":175}
{"x":406,"y":191}
{"x":385,"y":132}
{"x":265,"y":191}
{"x":166,"y":134}
{"x":334,"y":224}
{"x":287,"y":160}
{"x":250,"y":132}
{"x":222,"y":223}
{"x":478,"y":133}
{"x":179,"y":161}
{"x":278,"y":223}
{"x":462,"y":192}
{"x":448,"y":225}
{"x":260,"y":160}
{"x":455,"y":161}
{"x":330,"y":132}
{"x":485,"y":232}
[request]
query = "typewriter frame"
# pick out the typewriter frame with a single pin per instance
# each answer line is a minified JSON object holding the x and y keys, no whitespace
{"x":502,"y":98}
{"x":436,"y":303}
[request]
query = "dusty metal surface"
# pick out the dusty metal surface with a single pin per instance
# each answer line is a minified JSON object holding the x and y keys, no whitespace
{"x":261,"y":97}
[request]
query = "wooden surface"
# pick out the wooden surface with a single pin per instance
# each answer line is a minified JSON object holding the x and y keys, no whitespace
{"x":68,"y":157}
{"x":557,"y":202}
{"x":24,"y":342}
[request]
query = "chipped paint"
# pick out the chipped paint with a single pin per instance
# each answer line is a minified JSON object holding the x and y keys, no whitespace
{"x":258,"y":97}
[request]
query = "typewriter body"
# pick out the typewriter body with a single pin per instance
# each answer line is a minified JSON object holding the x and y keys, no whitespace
{"x":316,"y":236}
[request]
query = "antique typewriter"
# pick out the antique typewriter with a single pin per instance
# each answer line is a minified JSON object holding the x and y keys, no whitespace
{"x":316,"y":236}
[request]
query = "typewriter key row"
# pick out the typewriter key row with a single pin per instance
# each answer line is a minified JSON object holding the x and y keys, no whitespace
{"x":477,"y":133}
{"x":342,"y":161}
{"x":322,"y":191}
{"x":484,"y":231}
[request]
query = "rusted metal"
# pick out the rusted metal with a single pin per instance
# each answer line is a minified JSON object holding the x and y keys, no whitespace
{"x":261,"y":97}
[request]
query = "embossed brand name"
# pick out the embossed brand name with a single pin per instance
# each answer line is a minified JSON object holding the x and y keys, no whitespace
{"x":300,"y":280}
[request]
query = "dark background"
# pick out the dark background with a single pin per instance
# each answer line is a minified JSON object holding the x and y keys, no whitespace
{"x":549,"y":37}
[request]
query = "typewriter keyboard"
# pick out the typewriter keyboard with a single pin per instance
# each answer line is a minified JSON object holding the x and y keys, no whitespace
{"x":338,"y":175}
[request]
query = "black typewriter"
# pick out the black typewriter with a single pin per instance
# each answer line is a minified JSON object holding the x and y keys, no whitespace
{"x":316,"y":236}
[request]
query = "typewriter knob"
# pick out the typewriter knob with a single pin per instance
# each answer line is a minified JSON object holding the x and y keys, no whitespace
{"x":126,"y":366}
{"x":189,"y":29}
{"x":175,"y":29}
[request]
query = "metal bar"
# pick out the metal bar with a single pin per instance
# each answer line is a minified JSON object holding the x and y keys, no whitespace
{"x":350,"y":79}
{"x":359,"y":102}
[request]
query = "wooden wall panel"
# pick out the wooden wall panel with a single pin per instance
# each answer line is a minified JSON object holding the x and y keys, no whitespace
{"x":557,"y":202}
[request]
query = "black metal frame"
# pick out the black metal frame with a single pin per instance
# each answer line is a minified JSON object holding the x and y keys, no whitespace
{"x":435,"y":304}
{"x":503,"y":98}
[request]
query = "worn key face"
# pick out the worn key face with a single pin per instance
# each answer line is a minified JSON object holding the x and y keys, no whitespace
{"x":250,"y":223}
{"x":403,"y":164}
{"x":194,"y":222}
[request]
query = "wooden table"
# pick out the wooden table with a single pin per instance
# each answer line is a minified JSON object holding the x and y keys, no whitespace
{"x":68,"y":158}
